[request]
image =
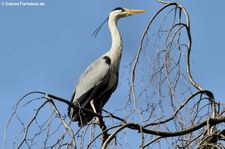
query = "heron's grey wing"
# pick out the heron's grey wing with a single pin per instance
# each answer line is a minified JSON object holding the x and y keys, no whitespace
{"x":91,"y":81}
{"x":98,"y":73}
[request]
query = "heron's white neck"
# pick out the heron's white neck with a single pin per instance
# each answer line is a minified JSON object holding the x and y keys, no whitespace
{"x":116,"y":48}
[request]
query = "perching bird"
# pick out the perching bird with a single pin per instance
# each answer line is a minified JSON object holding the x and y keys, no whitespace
{"x":100,"y":79}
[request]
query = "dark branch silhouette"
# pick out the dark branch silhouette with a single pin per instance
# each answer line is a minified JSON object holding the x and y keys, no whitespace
{"x":164,"y":104}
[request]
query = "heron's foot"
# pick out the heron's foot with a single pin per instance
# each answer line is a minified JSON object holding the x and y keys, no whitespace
{"x":105,"y":136}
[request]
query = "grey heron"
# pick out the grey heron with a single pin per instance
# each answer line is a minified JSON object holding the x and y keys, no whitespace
{"x":100,"y":79}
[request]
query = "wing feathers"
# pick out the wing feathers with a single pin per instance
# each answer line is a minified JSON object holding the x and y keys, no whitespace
{"x":93,"y":84}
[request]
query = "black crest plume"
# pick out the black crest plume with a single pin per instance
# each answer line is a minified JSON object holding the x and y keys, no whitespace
{"x":95,"y":33}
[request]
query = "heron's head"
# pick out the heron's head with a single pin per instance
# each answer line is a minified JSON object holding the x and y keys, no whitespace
{"x":116,"y":14}
{"x":120,"y":12}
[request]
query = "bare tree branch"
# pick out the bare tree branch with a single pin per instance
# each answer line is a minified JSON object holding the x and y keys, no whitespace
{"x":164,"y":104}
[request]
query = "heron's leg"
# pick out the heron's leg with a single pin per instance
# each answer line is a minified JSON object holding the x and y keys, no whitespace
{"x":93,"y":106}
{"x":94,"y":109}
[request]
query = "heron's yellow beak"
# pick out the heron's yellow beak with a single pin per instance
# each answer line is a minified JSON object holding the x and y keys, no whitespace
{"x":134,"y":11}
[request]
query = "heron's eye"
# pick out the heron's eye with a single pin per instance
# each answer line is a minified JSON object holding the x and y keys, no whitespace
{"x":119,"y":8}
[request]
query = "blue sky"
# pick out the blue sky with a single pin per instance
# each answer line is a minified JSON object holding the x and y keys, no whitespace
{"x":47,"y":48}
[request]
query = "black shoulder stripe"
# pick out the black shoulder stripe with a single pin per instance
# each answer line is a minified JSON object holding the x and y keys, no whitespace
{"x":107,"y":60}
